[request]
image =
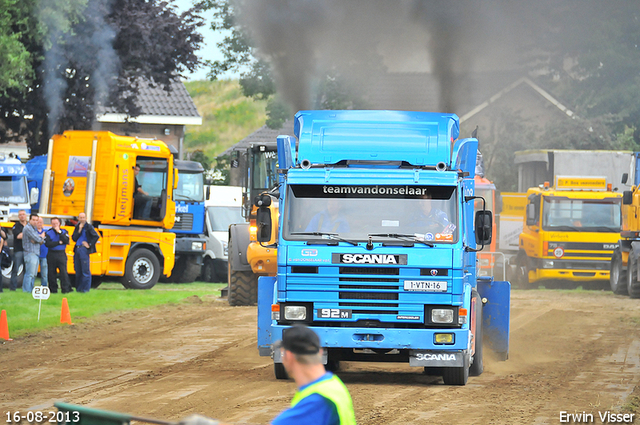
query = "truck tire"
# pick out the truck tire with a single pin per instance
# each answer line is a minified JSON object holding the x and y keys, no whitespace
{"x":142,"y":270}
{"x":6,"y":275}
{"x":243,"y":285}
{"x":214,"y":271}
{"x":456,"y":375}
{"x":477,"y":367}
{"x":633,"y":286}
{"x":186,"y":270}
{"x":522,"y":271}
{"x":221,"y":270}
{"x":280,"y":371}
{"x":96,"y":281}
{"x":243,"y":288}
{"x":618,"y":274}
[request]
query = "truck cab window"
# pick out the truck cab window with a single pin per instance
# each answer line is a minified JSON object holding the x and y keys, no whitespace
{"x":152,"y":178}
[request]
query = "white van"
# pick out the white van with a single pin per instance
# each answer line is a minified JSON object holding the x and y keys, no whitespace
{"x":223,"y":206}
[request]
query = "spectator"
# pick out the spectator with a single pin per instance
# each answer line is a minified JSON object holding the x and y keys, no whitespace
{"x":31,"y":242}
{"x":56,"y":240}
{"x":18,"y":253}
{"x":85,"y":237}
{"x":322,"y":398}
{"x":43,"y":254}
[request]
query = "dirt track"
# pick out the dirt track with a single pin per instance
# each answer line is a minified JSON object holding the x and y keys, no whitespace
{"x":570,"y":352}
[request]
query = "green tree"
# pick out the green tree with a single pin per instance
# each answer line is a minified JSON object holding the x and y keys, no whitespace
{"x":87,"y":53}
{"x":595,"y":62}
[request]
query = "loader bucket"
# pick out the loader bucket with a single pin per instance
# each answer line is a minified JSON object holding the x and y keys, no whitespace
{"x":495,"y":314}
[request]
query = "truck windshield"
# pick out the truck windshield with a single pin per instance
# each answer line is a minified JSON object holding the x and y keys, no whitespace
{"x":190,"y":187}
{"x":221,"y":217}
{"x":264,"y":170}
{"x":581,"y":215}
{"x":355,"y":211}
{"x":13,"y":189}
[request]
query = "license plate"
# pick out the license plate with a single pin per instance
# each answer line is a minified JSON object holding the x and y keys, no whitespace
{"x":425,"y":285}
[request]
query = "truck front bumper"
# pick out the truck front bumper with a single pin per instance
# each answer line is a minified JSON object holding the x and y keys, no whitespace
{"x":381,"y":338}
{"x":575,"y":275}
{"x":190,"y":246}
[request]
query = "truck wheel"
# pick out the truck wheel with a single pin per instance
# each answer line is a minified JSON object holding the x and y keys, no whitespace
{"x":243,"y":288}
{"x":332,"y":365}
{"x":618,"y":274}
{"x":6,"y":275}
{"x":243,"y":285}
{"x":142,"y":270}
{"x":280,"y":371}
{"x":207,"y":270}
{"x":477,"y":367}
{"x":633,"y":286}
{"x":456,"y":375}
{"x":522,"y":271}
{"x":220,"y":269}
{"x":186,"y":270}
{"x":96,"y":281}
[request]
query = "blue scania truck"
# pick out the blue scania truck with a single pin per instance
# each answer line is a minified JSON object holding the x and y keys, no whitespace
{"x":377,"y":240}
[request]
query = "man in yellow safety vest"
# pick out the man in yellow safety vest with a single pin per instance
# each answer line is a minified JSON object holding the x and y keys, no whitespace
{"x":322,"y":398}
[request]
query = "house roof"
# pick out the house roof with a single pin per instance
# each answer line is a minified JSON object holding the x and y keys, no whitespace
{"x":263,"y":136}
{"x":159,"y":106}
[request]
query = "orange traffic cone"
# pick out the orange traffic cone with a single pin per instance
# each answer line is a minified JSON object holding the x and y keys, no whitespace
{"x":65,"y":315}
{"x":4,"y":326}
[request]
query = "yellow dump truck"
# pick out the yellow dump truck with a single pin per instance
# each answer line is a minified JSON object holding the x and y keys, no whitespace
{"x":95,"y":172}
{"x":570,"y":233}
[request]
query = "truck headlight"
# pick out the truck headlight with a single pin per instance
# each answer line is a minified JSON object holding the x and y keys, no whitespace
{"x":196,"y":246}
{"x":295,"y":312}
{"x":547,"y":264}
{"x":442,"y":315}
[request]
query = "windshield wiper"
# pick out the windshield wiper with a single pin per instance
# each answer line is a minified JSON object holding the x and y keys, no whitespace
{"x":414,"y":238}
{"x":184,"y":198}
{"x":604,"y":229}
{"x":332,"y":236}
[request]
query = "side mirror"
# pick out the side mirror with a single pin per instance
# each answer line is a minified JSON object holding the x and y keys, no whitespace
{"x":484,"y":227}
{"x":625,"y":177}
{"x":33,"y":195}
{"x":531,"y":214}
{"x":627,"y":197}
{"x":175,"y":178}
{"x":263,"y":222}
{"x":207,"y":193}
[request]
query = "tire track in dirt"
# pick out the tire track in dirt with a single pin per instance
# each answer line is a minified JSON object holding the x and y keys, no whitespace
{"x":569,"y":351}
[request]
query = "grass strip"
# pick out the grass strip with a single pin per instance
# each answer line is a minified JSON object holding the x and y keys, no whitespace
{"x":22,"y":309}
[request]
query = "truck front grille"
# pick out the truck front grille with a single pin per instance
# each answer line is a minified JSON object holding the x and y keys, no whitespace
{"x":370,"y":270}
{"x":184,"y":221}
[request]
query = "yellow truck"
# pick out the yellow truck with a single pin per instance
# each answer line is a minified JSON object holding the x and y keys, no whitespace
{"x":95,"y":172}
{"x":571,"y":231}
